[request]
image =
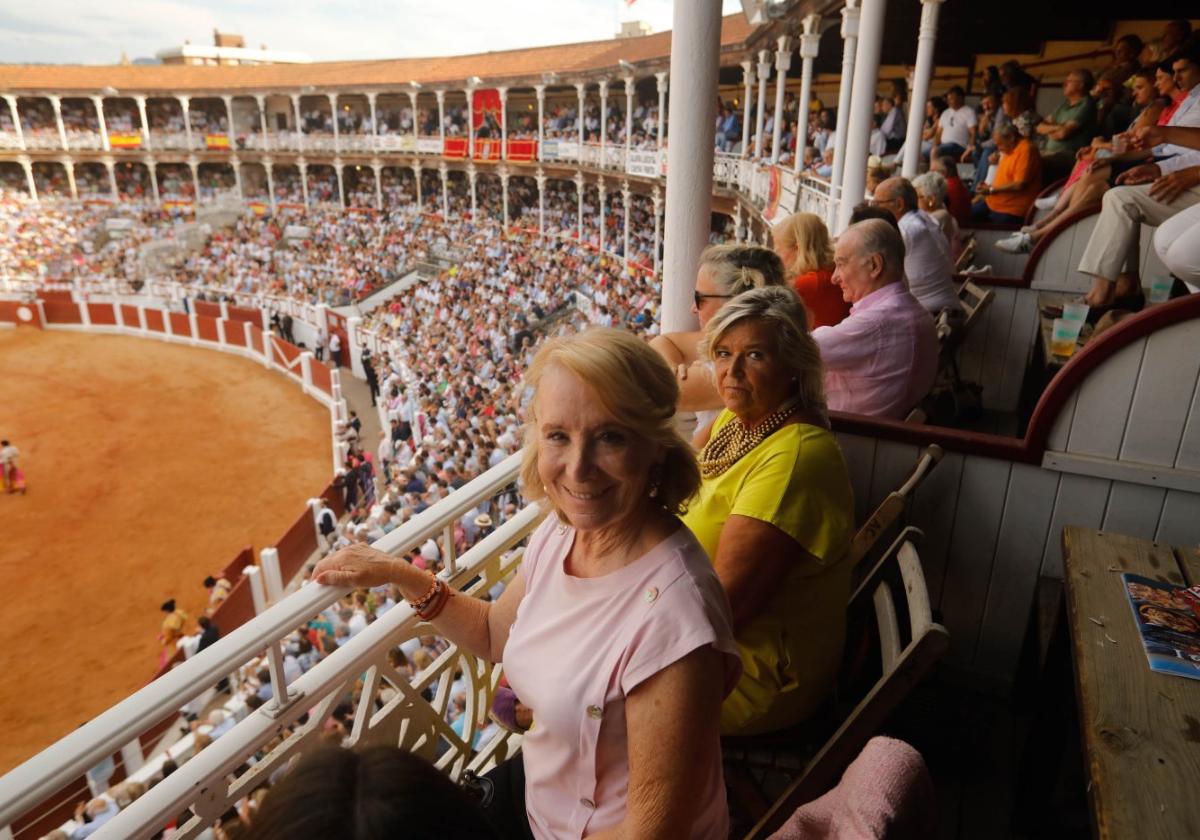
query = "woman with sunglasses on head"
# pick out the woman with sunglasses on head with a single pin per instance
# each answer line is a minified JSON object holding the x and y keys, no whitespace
{"x":725,"y":272}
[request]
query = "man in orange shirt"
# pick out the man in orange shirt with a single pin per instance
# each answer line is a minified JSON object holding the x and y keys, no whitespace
{"x":1017,"y":183}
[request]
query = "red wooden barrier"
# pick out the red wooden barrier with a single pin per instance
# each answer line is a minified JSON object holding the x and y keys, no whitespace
{"x":180,"y":324}
{"x":242,"y":313}
{"x":154,"y":320}
{"x":59,"y":312}
{"x":130,"y":315}
{"x":296,"y":545}
{"x":235,"y":333}
{"x":102,"y":314}
{"x":204,"y":307}
{"x":206,"y":328}
{"x":321,"y":378}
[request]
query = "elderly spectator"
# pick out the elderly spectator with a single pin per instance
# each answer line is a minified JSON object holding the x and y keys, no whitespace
{"x":775,"y":511}
{"x":1016,"y":185}
{"x":803,"y":244}
{"x":955,"y":131}
{"x":931,"y":193}
{"x":1147,"y":194}
{"x":958,"y":197}
{"x":623,"y":627}
{"x":92,"y":815}
{"x":882,"y":359}
{"x":927,"y":265}
{"x":1072,"y":125}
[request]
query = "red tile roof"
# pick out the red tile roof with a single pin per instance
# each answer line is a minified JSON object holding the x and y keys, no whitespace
{"x":568,"y":60}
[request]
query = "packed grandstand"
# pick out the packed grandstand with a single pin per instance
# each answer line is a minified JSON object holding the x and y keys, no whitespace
{"x":432,"y":237}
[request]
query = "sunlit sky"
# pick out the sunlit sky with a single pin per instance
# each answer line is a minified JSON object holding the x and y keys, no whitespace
{"x":79,"y":32}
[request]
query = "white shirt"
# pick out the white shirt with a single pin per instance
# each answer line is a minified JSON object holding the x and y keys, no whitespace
{"x":9,"y":454}
{"x":927,"y":262}
{"x":956,"y":125}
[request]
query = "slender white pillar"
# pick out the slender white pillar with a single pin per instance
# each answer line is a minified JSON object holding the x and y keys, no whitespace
{"x":922,"y":74}
{"x":141,"y":105}
{"x":603,"y":210}
{"x":372,"y":96}
{"x":850,"y":16}
{"x":333,"y":109}
{"x":625,"y":205}
{"x":579,"y":206}
{"x":540,"y":90}
{"x":262,"y":119}
{"x":299,"y":126}
{"x":810,"y":42}
{"x":695,"y":50}
{"x":269,"y":166}
{"x":579,"y":89}
{"x":862,"y":107}
{"x":69,"y":165}
{"x":783,"y":61}
{"x":504,"y":203}
{"x":747,"y":95}
{"x":764,"y":73}
{"x":541,"y":188}
{"x":99,"y":103}
{"x":27,"y":165}
{"x":603,"y":123}
{"x":150,"y":167}
{"x":417,"y":177}
{"x":16,"y":118}
{"x":303,"y":166}
{"x":629,"y":91}
{"x":471,"y":123}
{"x":237,"y":177}
{"x":195,"y":167}
{"x":503,"y":123}
{"x":658,"y":205}
{"x":378,"y":167}
{"x":471,"y":176}
{"x":661,"y":79}
{"x":338,"y":168}
{"x":229,"y":129}
{"x":444,"y":176}
{"x":441,"y":101}
{"x":112,"y":178}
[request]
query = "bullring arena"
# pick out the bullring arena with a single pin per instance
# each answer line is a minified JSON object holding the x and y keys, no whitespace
{"x":260,"y":316}
{"x":151,"y":466}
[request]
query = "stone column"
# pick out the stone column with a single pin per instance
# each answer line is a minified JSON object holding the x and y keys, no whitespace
{"x":541,"y":188}
{"x":579,"y":90}
{"x":378,"y":167}
{"x":504,"y":193}
{"x":783,"y":61}
{"x":56,"y":103}
{"x":503,"y":123}
{"x":16,"y":118}
{"x":269,"y":166}
{"x":416,"y":168}
{"x":658,"y":205}
{"x":441,"y":101}
{"x":445,"y":190}
{"x":195,"y":167}
{"x":661,"y":79}
{"x":850,"y":16}
{"x":236,"y":163}
{"x":141,"y":104}
{"x":69,"y":165}
{"x":747,"y":95}
{"x":862,"y":108}
{"x":151,"y":168}
{"x":185,"y":104}
{"x":810,"y":42}
{"x":540,"y":90}
{"x":760,"y":121}
{"x":603,"y":216}
{"x":629,"y":91}
{"x":262,"y":120}
{"x":27,"y":165}
{"x":333,"y":108}
{"x":625,"y":195}
{"x":303,"y":167}
{"x":299,"y":129}
{"x":338,"y":168}
{"x":371,"y":97}
{"x":112,"y":179}
{"x":579,"y":206}
{"x":230,"y":130}
{"x":695,"y":52}
{"x":471,"y":176}
{"x":99,"y":103}
{"x":922,"y":74}
{"x":470,"y":123}
{"x":603,"y":123}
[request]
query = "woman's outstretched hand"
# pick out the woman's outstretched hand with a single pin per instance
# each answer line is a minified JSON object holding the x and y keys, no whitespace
{"x":357,"y":565}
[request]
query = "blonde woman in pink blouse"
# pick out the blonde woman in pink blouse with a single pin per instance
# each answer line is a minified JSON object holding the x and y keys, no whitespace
{"x":616,"y":631}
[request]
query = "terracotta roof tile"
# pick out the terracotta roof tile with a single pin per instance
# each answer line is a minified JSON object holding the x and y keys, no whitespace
{"x":492,"y":67}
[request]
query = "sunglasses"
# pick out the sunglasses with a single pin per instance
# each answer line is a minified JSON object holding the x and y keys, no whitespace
{"x":699,"y":298}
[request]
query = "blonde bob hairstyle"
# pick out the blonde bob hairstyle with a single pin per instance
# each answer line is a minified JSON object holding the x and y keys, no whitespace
{"x":738,"y":268}
{"x":781,"y":311}
{"x":806,"y":235}
{"x":636,"y":387}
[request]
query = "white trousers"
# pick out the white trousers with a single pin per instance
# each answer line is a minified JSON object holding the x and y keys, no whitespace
{"x":1177,"y":242}
{"x":1113,"y":248}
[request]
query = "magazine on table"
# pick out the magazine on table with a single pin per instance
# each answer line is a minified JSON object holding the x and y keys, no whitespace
{"x":1168,"y":618}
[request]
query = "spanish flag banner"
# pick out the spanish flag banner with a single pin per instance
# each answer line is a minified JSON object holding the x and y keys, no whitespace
{"x":125,"y":141}
{"x":216,"y":141}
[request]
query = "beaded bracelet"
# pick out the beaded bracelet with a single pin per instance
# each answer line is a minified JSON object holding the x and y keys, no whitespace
{"x":439,"y":604}
{"x":422,"y":602}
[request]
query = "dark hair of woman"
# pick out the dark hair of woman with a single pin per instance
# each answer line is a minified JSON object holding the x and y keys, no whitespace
{"x":376,"y":793}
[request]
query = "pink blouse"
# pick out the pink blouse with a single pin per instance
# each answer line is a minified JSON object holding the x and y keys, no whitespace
{"x":576,"y":649}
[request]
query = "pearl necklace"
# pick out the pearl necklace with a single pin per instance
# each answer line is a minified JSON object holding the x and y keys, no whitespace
{"x":734,"y":440}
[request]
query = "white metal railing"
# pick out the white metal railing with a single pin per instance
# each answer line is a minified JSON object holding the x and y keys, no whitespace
{"x":407,"y":719}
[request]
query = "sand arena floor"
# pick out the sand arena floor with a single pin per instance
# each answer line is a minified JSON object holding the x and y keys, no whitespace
{"x":150,"y":465}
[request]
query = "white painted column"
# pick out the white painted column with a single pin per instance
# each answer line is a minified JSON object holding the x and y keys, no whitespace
{"x":540,"y":91}
{"x":922,"y":74}
{"x":237,"y":177}
{"x":603,"y":122}
{"x":27,"y":165}
{"x":625,"y":204}
{"x":541,"y":188}
{"x":862,"y":107}
{"x":443,"y":175}
{"x":299,"y":127}
{"x":339,"y":167}
{"x":441,"y":101}
{"x":230,"y":132}
{"x":269,"y":166}
{"x":658,"y":205}
{"x":416,"y":167}
{"x":332,"y":97}
{"x":739,"y":232}
{"x":141,"y":105}
{"x":579,"y":90}
{"x":303,"y":167}
{"x":747,"y":95}
{"x":661,"y":80}
{"x":185,"y":104}
{"x":69,"y":165}
{"x":760,"y":118}
{"x":56,"y":103}
{"x":695,"y":50}
{"x":195,"y":167}
{"x":579,"y":206}
{"x":99,"y":103}
{"x":16,"y":118}
{"x":503,"y":123}
{"x":629,"y":91}
{"x":810,"y":42}
{"x":850,"y":17}
{"x":603,"y":210}
{"x":504,"y":211}
{"x":112,"y":178}
{"x":472,"y":174}
{"x":783,"y":61}
{"x":470,"y":123}
{"x":371,"y":97}
{"x":262,"y":121}
{"x":378,"y":167}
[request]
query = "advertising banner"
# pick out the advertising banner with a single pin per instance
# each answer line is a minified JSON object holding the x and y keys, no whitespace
{"x":642,"y":163}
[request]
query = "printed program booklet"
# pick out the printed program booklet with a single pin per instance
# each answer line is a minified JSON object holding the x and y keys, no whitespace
{"x":1168,"y":617}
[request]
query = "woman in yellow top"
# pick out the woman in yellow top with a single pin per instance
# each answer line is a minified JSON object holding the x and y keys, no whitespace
{"x":775,"y":511}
